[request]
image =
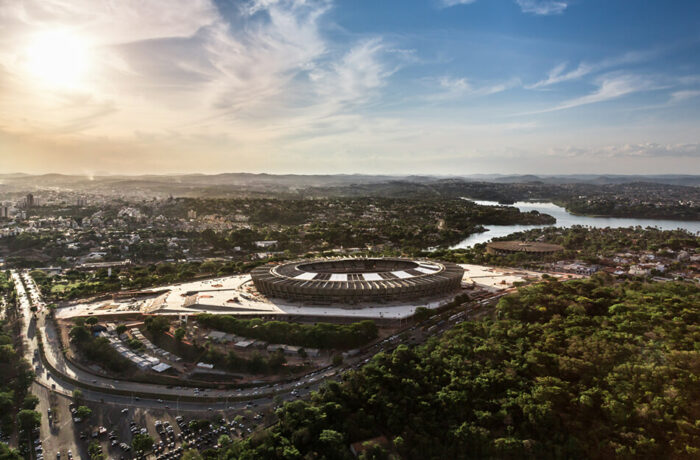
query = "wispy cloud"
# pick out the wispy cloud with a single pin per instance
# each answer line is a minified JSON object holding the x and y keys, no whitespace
{"x":630,"y":150}
{"x":542,"y":7}
{"x":559,"y":73}
{"x":454,"y":87}
{"x":680,"y":96}
{"x":449,"y":3}
{"x":609,"y":87}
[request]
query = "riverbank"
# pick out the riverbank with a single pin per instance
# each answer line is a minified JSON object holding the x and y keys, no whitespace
{"x":565,"y":219}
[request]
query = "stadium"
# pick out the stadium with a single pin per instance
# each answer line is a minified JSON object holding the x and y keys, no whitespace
{"x":353,"y":281}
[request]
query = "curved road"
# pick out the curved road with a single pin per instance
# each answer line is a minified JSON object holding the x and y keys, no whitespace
{"x":226,"y":398}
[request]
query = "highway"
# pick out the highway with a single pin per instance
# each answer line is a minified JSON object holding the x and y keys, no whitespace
{"x":135,"y":394}
{"x":102,"y":389}
{"x":55,"y":388}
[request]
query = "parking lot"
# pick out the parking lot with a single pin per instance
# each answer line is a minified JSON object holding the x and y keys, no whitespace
{"x":114,"y":427}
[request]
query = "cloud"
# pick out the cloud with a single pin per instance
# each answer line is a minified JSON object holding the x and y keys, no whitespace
{"x":558,"y":74}
{"x":542,"y":7}
{"x":450,"y":3}
{"x":609,"y":87}
{"x":455,"y":87}
{"x":680,"y":96}
{"x":109,"y":23}
{"x":631,"y":150}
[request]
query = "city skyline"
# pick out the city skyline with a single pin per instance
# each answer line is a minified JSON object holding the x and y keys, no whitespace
{"x":443,"y":87}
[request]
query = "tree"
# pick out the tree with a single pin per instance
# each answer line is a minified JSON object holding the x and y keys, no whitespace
{"x":422,"y":313}
{"x":179,"y":334}
{"x":83,"y":412}
{"x":30,"y":402}
{"x":224,"y":440}
{"x":7,"y":453}
{"x":192,"y":454}
{"x":78,"y":396}
{"x":7,"y":399}
{"x":95,"y":451}
{"x":337,"y":359}
{"x":28,"y":419}
{"x":91,"y":321}
{"x":157,"y":324}
{"x":121,"y":329}
{"x":79,"y":334}
{"x":142,"y":443}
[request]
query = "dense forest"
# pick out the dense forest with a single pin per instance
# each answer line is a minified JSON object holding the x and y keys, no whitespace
{"x":576,"y":369}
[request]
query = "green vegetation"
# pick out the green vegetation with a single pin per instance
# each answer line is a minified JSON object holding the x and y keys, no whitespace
{"x":191,"y":454}
{"x":583,"y":243}
{"x":16,"y":374}
{"x":28,"y":419}
{"x":320,"y":335}
{"x":142,"y":443}
{"x":579,"y":369}
{"x":300,"y":226}
{"x":6,"y":453}
{"x":30,"y":402}
{"x":179,"y":334}
{"x":256,"y":364}
{"x":95,"y":451}
{"x":83,"y":412}
{"x":157,"y":324}
{"x":97,"y":349}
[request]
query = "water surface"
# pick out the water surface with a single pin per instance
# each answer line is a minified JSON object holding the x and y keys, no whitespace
{"x":566,"y":219}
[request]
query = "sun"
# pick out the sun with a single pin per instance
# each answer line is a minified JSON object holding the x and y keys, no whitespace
{"x":57,"y":58}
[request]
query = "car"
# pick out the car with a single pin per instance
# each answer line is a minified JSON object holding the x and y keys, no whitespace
{"x":160,"y":401}
{"x":125,"y":410}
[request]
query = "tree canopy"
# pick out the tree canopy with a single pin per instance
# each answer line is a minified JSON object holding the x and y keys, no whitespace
{"x":577,"y":369}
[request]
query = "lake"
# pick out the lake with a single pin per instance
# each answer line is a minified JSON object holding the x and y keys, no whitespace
{"x":566,"y":219}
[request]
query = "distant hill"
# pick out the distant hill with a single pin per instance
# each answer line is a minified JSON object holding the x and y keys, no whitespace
{"x":670,"y":179}
{"x":227,"y":184}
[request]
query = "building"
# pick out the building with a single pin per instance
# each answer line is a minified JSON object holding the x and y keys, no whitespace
{"x":357,"y":280}
{"x":265,"y":244}
{"x":29,"y":200}
{"x":522,"y":247}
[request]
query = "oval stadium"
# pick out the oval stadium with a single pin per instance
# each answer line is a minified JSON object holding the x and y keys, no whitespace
{"x":353,"y":281}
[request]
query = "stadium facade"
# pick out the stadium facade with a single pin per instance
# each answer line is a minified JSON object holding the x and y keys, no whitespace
{"x":357,"y":280}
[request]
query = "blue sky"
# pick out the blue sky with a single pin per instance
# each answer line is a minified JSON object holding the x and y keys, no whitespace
{"x":306,"y":86}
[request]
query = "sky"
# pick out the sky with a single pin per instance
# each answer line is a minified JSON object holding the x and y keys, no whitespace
{"x":445,"y":87}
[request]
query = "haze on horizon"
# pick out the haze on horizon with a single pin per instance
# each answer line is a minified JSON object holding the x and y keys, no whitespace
{"x":452,"y":87}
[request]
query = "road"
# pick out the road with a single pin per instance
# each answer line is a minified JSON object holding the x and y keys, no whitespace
{"x":155,"y":392}
{"x":158,"y":396}
{"x":54,"y":390}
